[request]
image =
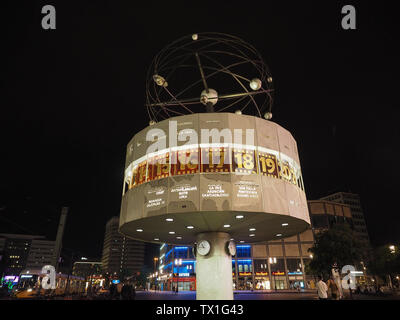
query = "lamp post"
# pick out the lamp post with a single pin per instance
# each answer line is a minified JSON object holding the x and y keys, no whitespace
{"x":155,"y":259}
{"x":392,"y":249}
{"x":178,"y":262}
{"x":271,"y":262}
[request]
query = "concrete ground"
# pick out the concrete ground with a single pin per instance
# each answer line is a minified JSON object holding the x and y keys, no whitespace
{"x":238,"y":295}
{"x":248,"y":295}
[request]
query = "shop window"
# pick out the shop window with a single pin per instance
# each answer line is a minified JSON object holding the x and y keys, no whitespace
{"x":293,"y":265}
{"x":279,"y":266}
{"x":243,"y":251}
{"x":244,"y":265}
{"x":181,"y":253}
{"x":261,"y":265}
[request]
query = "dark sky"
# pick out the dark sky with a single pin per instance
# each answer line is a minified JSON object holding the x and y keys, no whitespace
{"x":72,"y":98}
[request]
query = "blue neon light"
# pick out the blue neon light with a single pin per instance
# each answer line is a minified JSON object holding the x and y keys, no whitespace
{"x":244,"y":260}
{"x":181,"y":248}
{"x":244,"y":246}
{"x":294,"y":273}
{"x":166,"y":255}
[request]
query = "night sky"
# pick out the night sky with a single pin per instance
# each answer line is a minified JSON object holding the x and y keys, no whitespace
{"x":73,"y":97}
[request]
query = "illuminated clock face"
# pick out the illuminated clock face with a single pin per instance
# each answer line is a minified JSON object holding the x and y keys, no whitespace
{"x":203,"y":247}
{"x":232,"y":248}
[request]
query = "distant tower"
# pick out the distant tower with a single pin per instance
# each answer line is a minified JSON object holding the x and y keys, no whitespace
{"x":119,"y":252}
{"x":353,"y":200}
{"x":60,"y":233}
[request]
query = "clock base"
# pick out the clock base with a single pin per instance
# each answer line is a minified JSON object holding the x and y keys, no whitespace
{"x":214,"y":270}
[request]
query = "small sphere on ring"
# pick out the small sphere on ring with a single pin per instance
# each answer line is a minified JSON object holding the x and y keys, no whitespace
{"x":255,"y":84}
{"x":268,"y":115}
{"x":209,"y":97}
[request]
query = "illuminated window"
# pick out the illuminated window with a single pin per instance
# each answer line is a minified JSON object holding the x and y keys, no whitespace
{"x":243,"y":251}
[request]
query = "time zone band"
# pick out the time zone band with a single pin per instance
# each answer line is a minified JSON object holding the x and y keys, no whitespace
{"x":253,"y":160}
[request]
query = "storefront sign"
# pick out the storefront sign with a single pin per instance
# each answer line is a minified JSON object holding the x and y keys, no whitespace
{"x":185,"y":274}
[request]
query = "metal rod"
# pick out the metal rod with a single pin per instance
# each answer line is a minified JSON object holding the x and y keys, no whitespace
{"x":225,"y":96}
{"x":201,"y":72}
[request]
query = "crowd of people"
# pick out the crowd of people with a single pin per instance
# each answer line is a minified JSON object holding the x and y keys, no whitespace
{"x":122,"y":291}
{"x":328,"y":290}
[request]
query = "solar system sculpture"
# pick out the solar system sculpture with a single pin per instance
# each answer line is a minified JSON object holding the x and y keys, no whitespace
{"x":211,"y":169}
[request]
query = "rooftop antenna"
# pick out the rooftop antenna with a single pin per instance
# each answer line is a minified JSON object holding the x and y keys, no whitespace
{"x":60,"y":232}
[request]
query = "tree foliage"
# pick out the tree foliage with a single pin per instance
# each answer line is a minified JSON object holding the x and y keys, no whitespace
{"x":336,"y":245}
{"x":385,"y":262}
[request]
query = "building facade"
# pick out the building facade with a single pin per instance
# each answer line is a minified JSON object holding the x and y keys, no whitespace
{"x":273,"y":265}
{"x":176,"y":268}
{"x":24,"y":251}
{"x":353,"y":201}
{"x":87,"y":268}
{"x":120,"y":254}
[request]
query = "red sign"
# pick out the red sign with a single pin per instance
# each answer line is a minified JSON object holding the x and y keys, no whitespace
{"x":133,"y":179}
{"x":268,"y":164}
{"x":141,"y":173}
{"x":287,"y":173}
{"x":244,"y":273}
{"x":243,"y":161}
{"x":158,"y":167}
{"x":185,"y":162}
{"x":215,"y":160}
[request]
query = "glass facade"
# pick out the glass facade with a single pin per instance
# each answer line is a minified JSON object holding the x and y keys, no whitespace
{"x":273,"y":265}
{"x":177,"y":269}
{"x":253,"y":268}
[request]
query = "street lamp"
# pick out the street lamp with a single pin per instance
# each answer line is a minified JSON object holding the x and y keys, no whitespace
{"x":178,"y":262}
{"x":392,"y":249}
{"x":155,"y":259}
{"x":272,"y":261}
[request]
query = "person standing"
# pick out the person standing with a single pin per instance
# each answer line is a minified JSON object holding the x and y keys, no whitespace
{"x":126,"y":292}
{"x":119,"y":290}
{"x":322,"y":289}
{"x":112,"y":291}
{"x":133,"y":291}
{"x":333,"y":288}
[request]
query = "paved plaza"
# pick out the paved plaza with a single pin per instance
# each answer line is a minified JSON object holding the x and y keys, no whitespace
{"x":248,"y":295}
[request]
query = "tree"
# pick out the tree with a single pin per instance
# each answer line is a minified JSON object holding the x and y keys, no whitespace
{"x":125,"y":273}
{"x":385,"y":262}
{"x":141,"y":279}
{"x":336,"y":245}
